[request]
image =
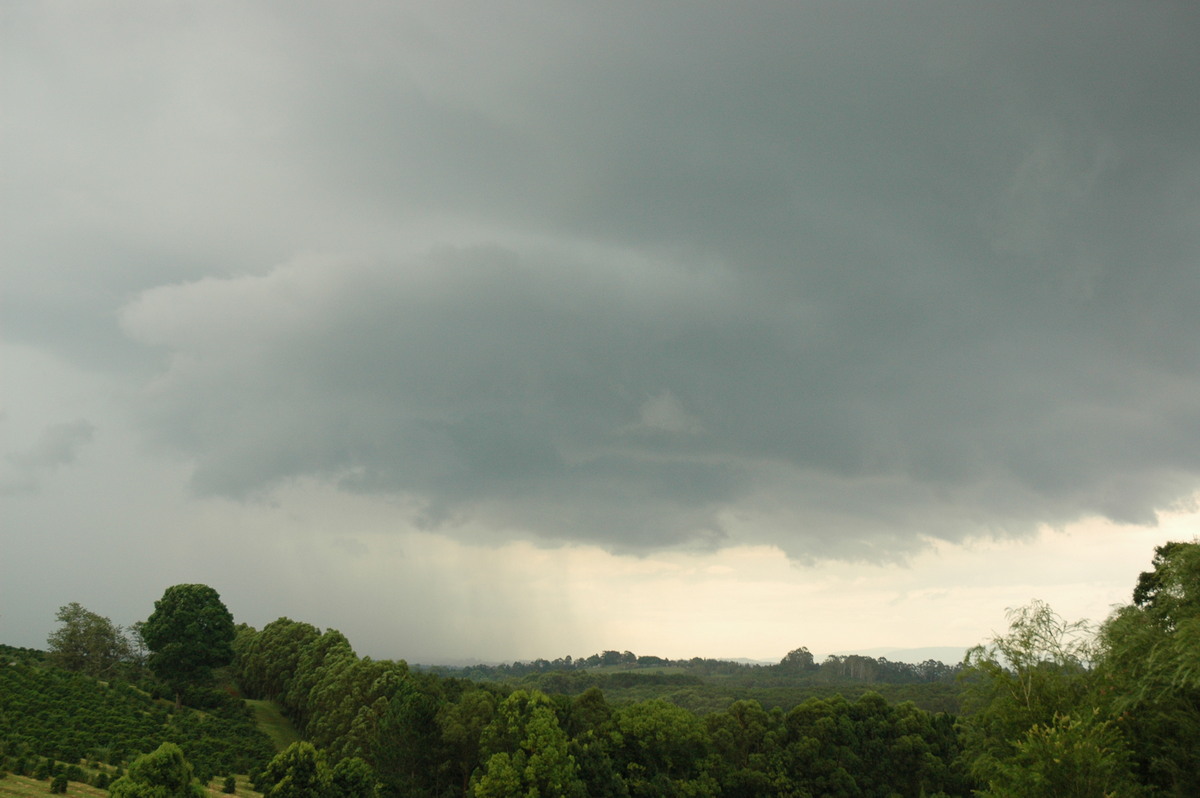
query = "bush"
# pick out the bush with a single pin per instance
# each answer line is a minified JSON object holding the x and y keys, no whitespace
{"x":163,"y":773}
{"x":230,"y":786}
{"x":59,"y":785}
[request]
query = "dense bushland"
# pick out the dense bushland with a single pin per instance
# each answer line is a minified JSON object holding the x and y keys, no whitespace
{"x":1050,"y":708}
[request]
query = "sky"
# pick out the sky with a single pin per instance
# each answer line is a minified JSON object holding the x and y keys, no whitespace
{"x":504,"y":331}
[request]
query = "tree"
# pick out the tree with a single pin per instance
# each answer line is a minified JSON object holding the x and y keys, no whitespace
{"x":461,"y":725}
{"x":268,"y":660}
{"x":86,"y":642}
{"x":527,"y":752}
{"x":163,"y":773}
{"x":329,"y":647}
{"x":800,"y":659}
{"x":1040,"y":669}
{"x":1149,"y":671}
{"x":189,"y":633}
{"x":1067,"y":758}
{"x":298,"y":771}
{"x":353,"y":778}
{"x":1171,"y":591}
{"x":407,"y":747}
{"x":663,"y":750}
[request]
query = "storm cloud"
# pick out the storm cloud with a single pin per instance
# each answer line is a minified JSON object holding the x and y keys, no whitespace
{"x":836,"y":277}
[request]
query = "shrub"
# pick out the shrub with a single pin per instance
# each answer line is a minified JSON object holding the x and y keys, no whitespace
{"x":230,"y":786}
{"x":59,"y":785}
{"x":163,"y":773}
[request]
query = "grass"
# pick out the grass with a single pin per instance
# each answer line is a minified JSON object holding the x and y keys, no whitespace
{"x":12,"y":786}
{"x":272,"y":722}
{"x":213,"y":788}
{"x":23,"y":787}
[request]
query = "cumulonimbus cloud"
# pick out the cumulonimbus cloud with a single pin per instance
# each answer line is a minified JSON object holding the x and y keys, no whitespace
{"x":830,"y":276}
{"x":647,"y":407}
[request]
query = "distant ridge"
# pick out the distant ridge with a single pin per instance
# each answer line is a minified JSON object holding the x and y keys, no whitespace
{"x":949,"y":655}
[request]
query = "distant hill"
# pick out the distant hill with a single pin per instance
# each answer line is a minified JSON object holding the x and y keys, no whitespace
{"x":950,"y":655}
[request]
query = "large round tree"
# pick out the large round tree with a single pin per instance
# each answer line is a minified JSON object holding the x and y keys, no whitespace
{"x":189,"y":633}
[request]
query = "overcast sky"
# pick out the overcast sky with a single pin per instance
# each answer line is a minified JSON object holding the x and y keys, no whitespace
{"x":509,"y":330}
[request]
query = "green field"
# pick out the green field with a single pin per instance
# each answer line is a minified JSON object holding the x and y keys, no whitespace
{"x":23,"y":787}
{"x":12,"y":785}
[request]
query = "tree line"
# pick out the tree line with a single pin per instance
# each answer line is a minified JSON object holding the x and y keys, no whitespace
{"x":798,"y":664}
{"x":1049,"y":708}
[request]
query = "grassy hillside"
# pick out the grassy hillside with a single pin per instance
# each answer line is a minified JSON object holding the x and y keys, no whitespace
{"x":271,"y":722}
{"x":23,"y":787}
{"x":13,"y":786}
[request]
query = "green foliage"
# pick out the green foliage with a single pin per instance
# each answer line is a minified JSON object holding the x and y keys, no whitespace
{"x":663,"y":750}
{"x":268,"y":660}
{"x":350,"y":697}
{"x":163,"y":773}
{"x":869,"y":747}
{"x":800,"y":659}
{"x":770,"y":687}
{"x":1053,"y":711}
{"x":613,"y":670}
{"x":1149,"y":674}
{"x":526,"y":752}
{"x":353,"y":778}
{"x":20,"y":655}
{"x":331,"y":646}
{"x":229,"y":786}
{"x":58,"y":785}
{"x":1170,"y":592}
{"x":1039,"y":669}
{"x":299,"y":771}
{"x":189,"y":633}
{"x":69,"y":716}
{"x":1067,"y":758}
{"x":86,"y":642}
{"x":460,"y":725}
{"x":407,"y":749}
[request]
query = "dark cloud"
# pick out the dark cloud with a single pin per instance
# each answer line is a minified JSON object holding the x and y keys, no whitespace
{"x":858,"y":273}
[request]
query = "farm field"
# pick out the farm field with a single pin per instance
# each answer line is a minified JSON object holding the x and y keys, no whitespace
{"x":13,"y":786}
